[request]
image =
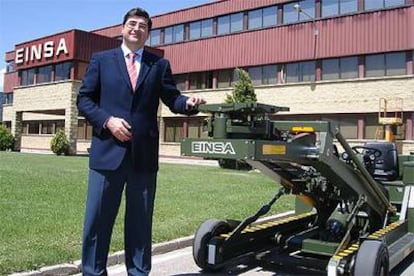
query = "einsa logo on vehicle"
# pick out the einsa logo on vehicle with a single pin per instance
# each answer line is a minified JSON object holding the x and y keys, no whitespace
{"x":212,"y":147}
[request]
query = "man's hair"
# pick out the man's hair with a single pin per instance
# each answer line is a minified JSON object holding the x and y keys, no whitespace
{"x":138,"y":12}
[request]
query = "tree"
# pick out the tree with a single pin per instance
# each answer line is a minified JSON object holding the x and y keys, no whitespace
{"x":6,"y":138}
{"x":60,"y":143}
{"x":243,"y":91}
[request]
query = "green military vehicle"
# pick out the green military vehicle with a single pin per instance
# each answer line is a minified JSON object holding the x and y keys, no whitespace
{"x":354,"y":211}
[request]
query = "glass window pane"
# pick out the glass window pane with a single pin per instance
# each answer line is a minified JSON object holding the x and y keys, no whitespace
{"x":223,"y":23}
{"x":330,"y":69}
{"x":393,"y":3}
{"x":292,"y":72}
{"x":290,"y":15}
{"x":308,"y":8}
{"x":348,"y":6}
{"x":371,"y":127}
{"x":374,"y":66}
{"x":307,"y":71}
{"x":180,"y":81}
{"x":168,"y":35}
{"x":207,"y":28}
{"x":195,"y":30}
{"x":373,"y":4}
{"x":155,"y":37}
{"x":255,"y":74}
{"x":255,"y":19}
{"x":224,"y":78}
{"x":178,"y":33}
{"x":349,"y":127}
{"x":395,"y":64}
{"x":62,"y":71}
{"x":236,"y":22}
{"x":269,"y":74}
{"x":269,"y":16}
{"x":349,"y":67}
{"x":44,"y":74}
{"x":330,"y":7}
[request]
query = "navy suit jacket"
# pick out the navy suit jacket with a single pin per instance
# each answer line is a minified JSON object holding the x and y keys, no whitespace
{"x":106,"y":91}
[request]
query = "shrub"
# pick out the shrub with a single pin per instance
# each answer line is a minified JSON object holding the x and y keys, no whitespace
{"x":60,"y":143}
{"x":243,"y":91}
{"x":6,"y":138}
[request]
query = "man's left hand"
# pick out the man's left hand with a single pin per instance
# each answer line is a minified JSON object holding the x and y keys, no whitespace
{"x":194,"y":101}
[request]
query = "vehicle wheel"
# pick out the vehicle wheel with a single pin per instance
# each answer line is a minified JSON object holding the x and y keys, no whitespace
{"x":372,"y":259}
{"x":207,"y":230}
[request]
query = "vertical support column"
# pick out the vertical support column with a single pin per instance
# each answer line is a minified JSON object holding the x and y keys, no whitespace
{"x":360,"y":129}
{"x":17,"y":129}
{"x":71,"y":122}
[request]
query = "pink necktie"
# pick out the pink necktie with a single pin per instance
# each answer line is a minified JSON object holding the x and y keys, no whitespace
{"x":132,"y":71}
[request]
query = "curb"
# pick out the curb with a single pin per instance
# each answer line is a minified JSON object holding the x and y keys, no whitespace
{"x":119,"y":257}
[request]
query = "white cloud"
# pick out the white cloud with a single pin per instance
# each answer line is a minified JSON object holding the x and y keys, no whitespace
{"x":2,"y":71}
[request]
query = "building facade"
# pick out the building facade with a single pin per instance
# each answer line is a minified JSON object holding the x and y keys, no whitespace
{"x":345,"y":60}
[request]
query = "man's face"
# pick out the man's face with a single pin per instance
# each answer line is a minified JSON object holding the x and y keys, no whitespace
{"x":135,"y":31}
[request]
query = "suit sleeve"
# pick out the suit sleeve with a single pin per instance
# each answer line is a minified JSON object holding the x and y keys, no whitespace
{"x":171,"y":96}
{"x":89,"y":95}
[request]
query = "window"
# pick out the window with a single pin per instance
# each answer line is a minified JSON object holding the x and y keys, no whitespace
{"x":168,"y":35}
{"x":223,"y":25}
{"x":342,"y":68}
{"x":263,"y":74}
{"x":330,"y":7}
{"x":173,"y":130}
{"x":349,"y":67}
{"x":236,"y":22}
{"x":348,"y":6}
{"x":195,"y":128}
{"x":10,"y":67}
{"x":269,"y":16}
{"x":380,"y":4}
{"x":255,"y":74}
{"x":178,"y":33}
{"x":84,"y":130}
{"x":195,"y":30}
{"x":300,"y":71}
{"x":7,"y":98}
{"x":335,"y":7}
{"x":155,"y":37}
{"x":395,"y":64}
{"x":201,"y":80}
{"x":207,"y":28}
{"x":44,"y":74}
{"x":225,"y":78}
{"x":255,"y":19}
{"x":62,"y":71}
{"x":291,"y":15}
{"x":269,"y":74}
{"x":308,"y":8}
{"x":33,"y":127}
{"x":348,"y":127}
{"x":27,"y":77}
{"x":390,"y":64}
{"x":47,"y":127}
{"x":330,"y":69}
{"x":371,"y":126}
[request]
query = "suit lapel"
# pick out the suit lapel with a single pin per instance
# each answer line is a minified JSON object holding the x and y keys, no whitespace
{"x":146,"y":64}
{"x":120,"y":60}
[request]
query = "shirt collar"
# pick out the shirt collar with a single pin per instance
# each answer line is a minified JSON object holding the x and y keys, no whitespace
{"x":127,"y":51}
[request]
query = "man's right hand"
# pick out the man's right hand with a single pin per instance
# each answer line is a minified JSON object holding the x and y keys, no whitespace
{"x":119,"y":128}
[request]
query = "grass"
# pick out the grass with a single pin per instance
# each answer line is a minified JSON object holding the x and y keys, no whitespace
{"x":42,"y":201}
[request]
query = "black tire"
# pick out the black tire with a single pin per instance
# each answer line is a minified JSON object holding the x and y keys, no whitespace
{"x":207,"y":230}
{"x":372,"y":259}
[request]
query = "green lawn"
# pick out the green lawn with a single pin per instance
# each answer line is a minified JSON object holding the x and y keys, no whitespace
{"x":42,"y":201}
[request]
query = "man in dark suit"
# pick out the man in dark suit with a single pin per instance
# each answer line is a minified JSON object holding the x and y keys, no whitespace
{"x":119,"y":97}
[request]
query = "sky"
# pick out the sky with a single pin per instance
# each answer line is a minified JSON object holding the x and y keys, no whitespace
{"x":25,"y":20}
